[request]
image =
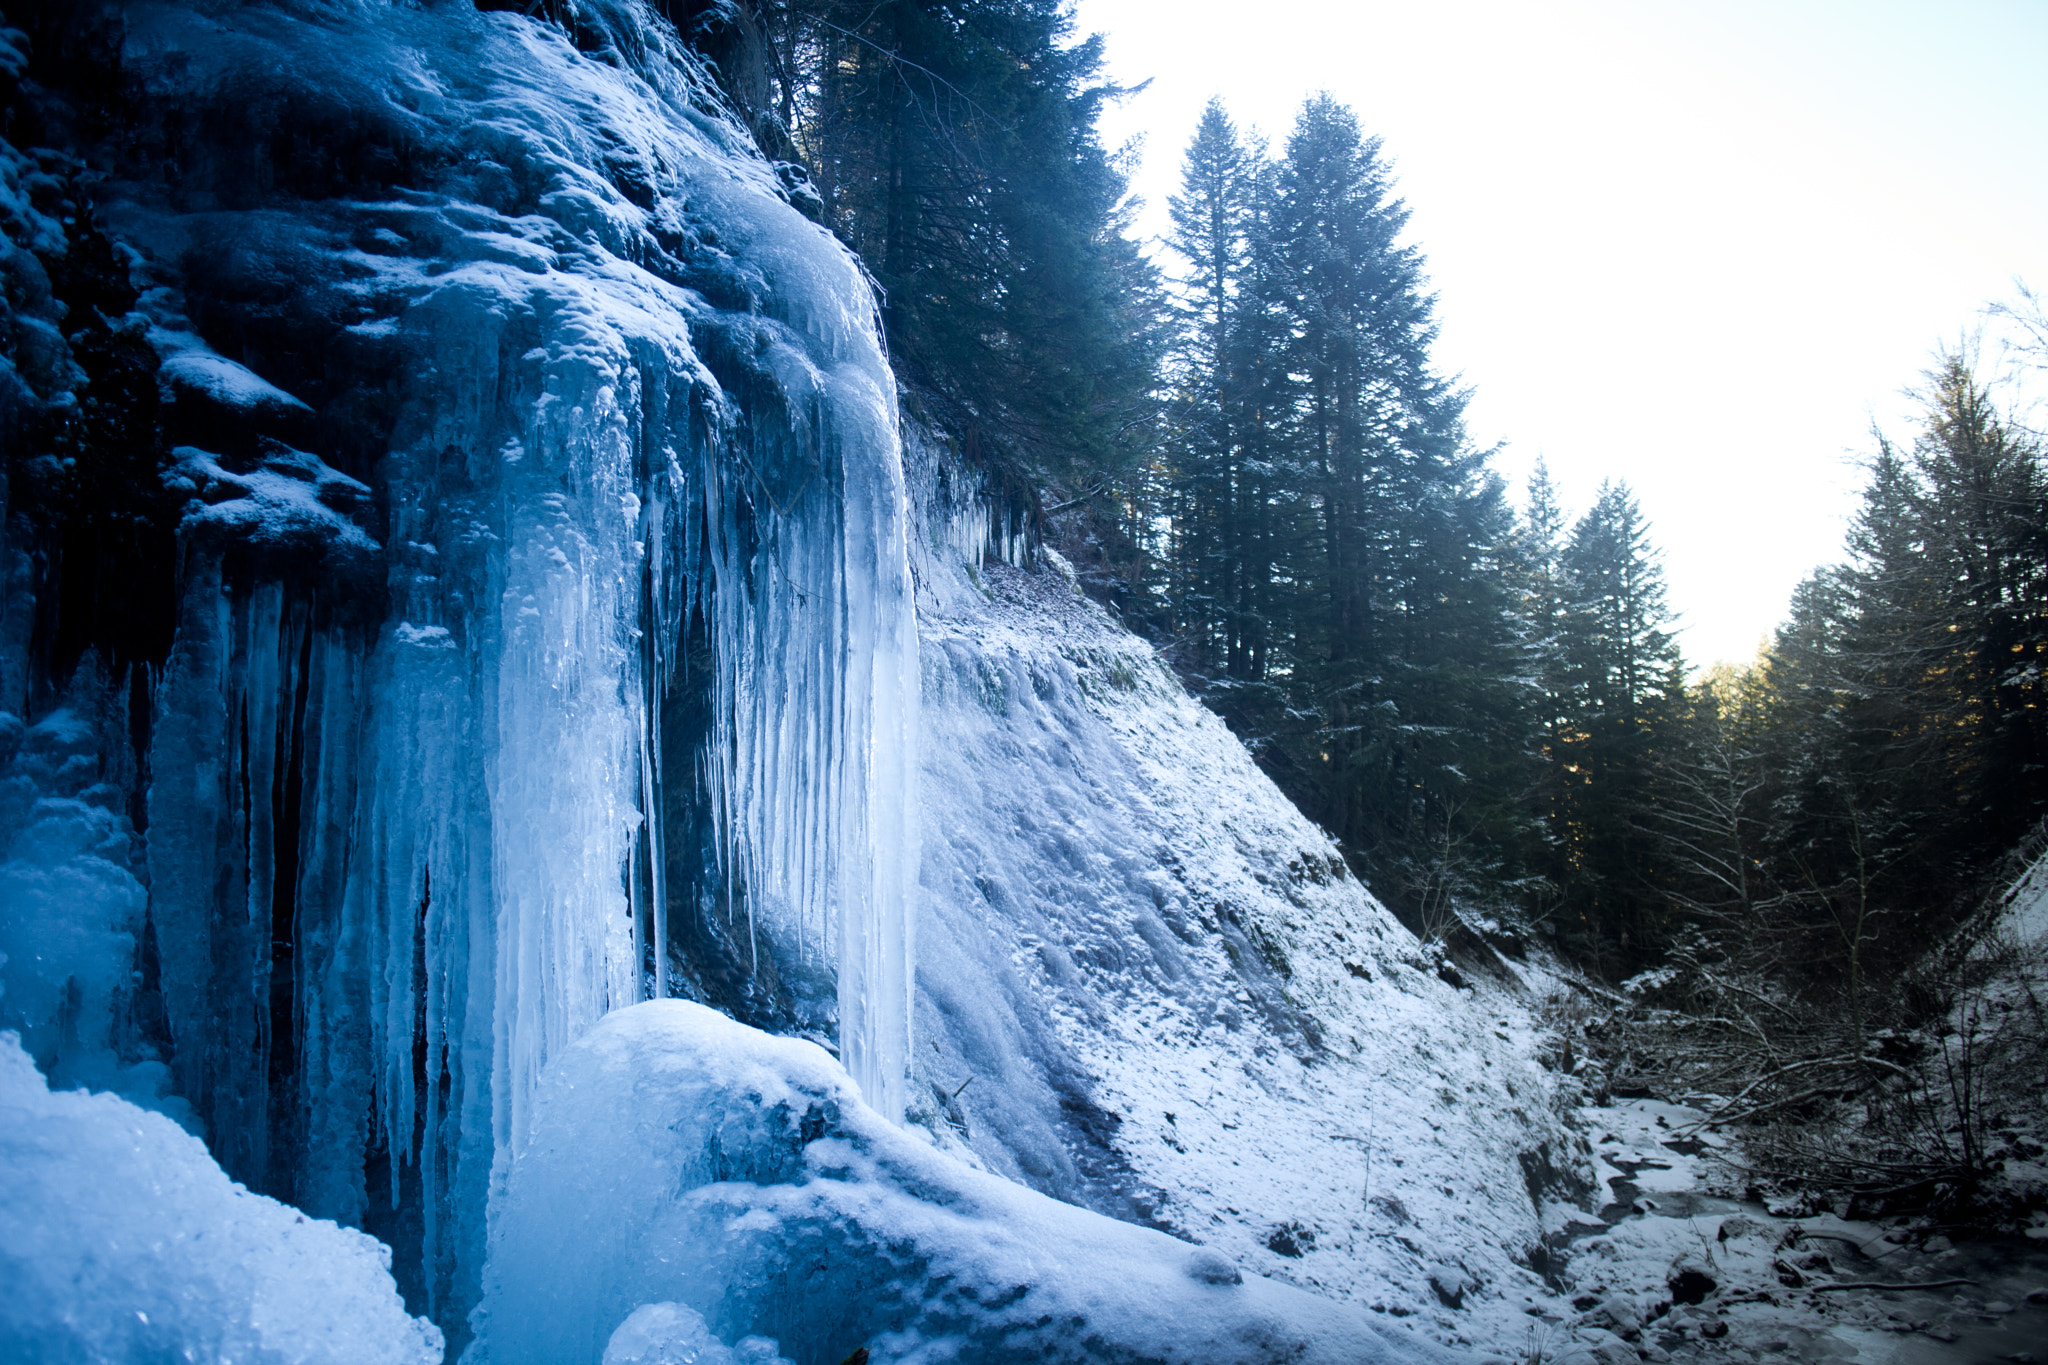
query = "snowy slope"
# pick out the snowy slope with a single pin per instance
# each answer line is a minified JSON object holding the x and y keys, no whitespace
{"x":1147,"y":984}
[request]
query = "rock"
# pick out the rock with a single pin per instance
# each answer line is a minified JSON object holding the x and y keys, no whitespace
{"x":1691,"y":1278}
{"x":1738,"y":1225}
{"x":1937,"y":1244}
{"x":1603,"y":1348}
{"x":2038,"y":1295}
{"x":1713,"y":1329}
{"x":1621,"y":1311}
{"x":1451,"y":1284}
{"x":1211,"y":1267}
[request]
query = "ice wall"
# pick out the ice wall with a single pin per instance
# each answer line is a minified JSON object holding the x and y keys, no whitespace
{"x":502,"y":394}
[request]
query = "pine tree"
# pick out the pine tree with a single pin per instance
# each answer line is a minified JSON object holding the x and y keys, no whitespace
{"x":1340,"y":587}
{"x":1985,"y":534}
{"x":1905,"y":699}
{"x":1211,"y":490}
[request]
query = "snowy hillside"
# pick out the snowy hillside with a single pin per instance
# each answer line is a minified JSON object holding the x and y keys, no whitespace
{"x":1191,"y":1013}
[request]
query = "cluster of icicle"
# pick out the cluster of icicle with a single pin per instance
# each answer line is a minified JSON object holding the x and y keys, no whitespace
{"x":474,"y":773}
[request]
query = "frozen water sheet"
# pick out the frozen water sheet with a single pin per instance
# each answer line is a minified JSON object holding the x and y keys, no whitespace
{"x":631,"y":399}
{"x":681,"y":1158}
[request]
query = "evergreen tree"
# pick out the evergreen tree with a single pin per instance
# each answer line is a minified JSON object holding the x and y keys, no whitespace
{"x":952,"y":144}
{"x":1904,"y":708}
{"x":1620,"y":673}
{"x":1211,"y":488}
{"x":1339,"y":587}
{"x":1984,"y":525}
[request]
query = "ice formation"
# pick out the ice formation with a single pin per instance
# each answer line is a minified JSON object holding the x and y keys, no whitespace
{"x":121,"y":1240}
{"x":670,"y":1334}
{"x":73,"y":907}
{"x":406,"y":777}
{"x":679,"y":1157}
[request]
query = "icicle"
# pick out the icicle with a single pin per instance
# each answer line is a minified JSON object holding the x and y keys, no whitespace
{"x":812,"y":760}
{"x":567,"y":488}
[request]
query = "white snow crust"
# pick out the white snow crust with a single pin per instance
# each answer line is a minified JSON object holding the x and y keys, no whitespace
{"x":681,"y":1158}
{"x":122,"y":1241}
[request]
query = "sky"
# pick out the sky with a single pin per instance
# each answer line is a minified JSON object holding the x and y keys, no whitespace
{"x":1701,"y":248}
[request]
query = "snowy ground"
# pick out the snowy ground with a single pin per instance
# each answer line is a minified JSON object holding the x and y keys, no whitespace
{"x":1285,"y":1076}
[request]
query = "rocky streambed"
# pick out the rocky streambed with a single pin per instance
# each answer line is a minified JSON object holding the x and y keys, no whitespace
{"x":1678,"y":1266}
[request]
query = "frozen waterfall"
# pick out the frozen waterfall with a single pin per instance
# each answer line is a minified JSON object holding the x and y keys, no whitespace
{"x":417,"y":747}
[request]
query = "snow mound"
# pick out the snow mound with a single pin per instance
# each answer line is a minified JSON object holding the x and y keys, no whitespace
{"x":670,"y":1334}
{"x":679,"y":1158}
{"x":121,"y":1240}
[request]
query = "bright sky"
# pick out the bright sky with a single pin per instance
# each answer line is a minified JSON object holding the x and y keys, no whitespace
{"x":1699,"y":247}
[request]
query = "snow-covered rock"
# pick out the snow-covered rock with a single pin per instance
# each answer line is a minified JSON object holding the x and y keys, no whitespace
{"x":679,"y":1158}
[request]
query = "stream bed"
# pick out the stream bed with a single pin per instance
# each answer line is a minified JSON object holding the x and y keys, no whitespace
{"x":1676,"y":1270}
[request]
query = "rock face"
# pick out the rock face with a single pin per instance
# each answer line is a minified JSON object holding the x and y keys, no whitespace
{"x":463,"y":576}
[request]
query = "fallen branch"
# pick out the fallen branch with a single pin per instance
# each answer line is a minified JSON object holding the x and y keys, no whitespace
{"x":1808,"y":1065}
{"x":1879,"y":1284}
{"x":1723,"y":1116}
